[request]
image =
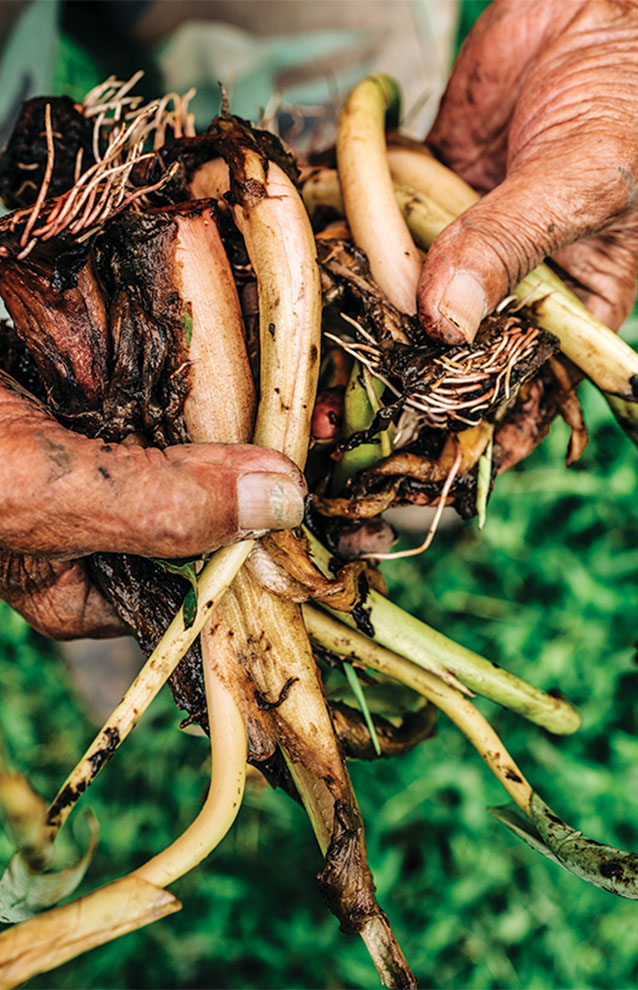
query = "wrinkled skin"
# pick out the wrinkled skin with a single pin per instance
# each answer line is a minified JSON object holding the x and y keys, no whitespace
{"x":63,"y":496}
{"x":540,"y":109}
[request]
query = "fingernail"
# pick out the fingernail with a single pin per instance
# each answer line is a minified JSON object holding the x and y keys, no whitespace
{"x":463,"y":303}
{"x":268,"y":501}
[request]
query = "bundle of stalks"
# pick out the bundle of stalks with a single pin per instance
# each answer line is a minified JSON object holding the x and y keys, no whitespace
{"x":122,"y":270}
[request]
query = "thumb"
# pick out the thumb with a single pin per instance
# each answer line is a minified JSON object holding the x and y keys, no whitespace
{"x":63,"y":495}
{"x":480,"y":257}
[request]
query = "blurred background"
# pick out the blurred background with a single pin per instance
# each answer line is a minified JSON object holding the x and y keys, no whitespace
{"x":549,"y":590}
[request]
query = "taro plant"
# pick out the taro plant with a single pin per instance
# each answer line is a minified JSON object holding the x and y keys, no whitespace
{"x":158,"y":228}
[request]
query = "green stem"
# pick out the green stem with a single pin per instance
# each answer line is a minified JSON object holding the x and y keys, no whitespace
{"x":423,"y":645}
{"x":357,"y":690}
{"x":331,"y":634}
{"x":483,"y":483}
{"x":361,"y":403}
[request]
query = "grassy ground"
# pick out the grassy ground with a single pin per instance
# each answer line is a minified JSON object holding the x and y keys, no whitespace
{"x":548,"y":590}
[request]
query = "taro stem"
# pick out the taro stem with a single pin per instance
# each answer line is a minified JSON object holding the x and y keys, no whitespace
{"x":211,"y":302}
{"x":275,"y":646}
{"x":228,"y":777}
{"x":599,"y":353}
{"x":280,"y":660}
{"x":332,"y":635}
{"x":372,"y":213}
{"x":615,"y":870}
{"x":419,"y":643}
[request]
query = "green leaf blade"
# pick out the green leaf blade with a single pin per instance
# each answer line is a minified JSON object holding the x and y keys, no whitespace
{"x":357,"y":690}
{"x":25,"y":891}
{"x":604,"y":866}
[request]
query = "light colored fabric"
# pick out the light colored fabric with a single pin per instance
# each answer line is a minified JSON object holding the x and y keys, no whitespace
{"x":283,"y":55}
{"x":307,"y":55}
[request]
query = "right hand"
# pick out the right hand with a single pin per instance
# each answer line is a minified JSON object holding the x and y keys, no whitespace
{"x":539,"y":114}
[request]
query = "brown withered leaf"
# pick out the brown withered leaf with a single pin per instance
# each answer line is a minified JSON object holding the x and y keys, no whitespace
{"x":342,"y":593}
{"x":42,"y":943}
{"x":354,"y":736}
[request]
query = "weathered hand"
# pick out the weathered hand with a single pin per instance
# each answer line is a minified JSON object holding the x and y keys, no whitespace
{"x":63,"y":496}
{"x":540,"y":109}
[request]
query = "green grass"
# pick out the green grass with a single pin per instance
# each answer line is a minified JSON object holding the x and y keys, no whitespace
{"x":549,"y":590}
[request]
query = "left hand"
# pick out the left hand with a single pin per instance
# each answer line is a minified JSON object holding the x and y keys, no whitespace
{"x":57,"y":597}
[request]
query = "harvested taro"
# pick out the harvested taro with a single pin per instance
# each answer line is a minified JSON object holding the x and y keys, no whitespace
{"x":121,"y":277}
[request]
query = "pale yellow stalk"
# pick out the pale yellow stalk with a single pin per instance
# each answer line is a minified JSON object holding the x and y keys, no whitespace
{"x":373,"y":217}
{"x":221,"y":403}
{"x":228,"y":754}
{"x":408,"y":168}
{"x":334,"y":636}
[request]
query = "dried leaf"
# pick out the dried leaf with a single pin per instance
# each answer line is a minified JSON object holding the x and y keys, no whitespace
{"x":43,"y":943}
{"x":25,"y":814}
{"x":360,"y":507}
{"x":342,"y":592}
{"x":570,"y":409}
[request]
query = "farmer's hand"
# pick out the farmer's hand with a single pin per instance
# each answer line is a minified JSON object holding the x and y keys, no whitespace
{"x":541,"y":108}
{"x":63,"y":496}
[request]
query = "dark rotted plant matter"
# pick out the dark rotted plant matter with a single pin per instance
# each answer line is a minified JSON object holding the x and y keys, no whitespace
{"x":108,"y":356}
{"x":23,"y":161}
{"x":354,"y":736}
{"x":98,"y":335}
{"x":109,"y":344}
{"x":226,"y":135}
{"x":454,"y":387}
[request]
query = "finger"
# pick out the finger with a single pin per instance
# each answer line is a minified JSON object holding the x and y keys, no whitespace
{"x":57,"y":598}
{"x":491,"y":247}
{"x":63,"y":495}
{"x":566,"y":160}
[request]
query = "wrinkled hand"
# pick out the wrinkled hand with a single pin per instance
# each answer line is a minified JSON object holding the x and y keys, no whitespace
{"x":63,"y":496}
{"x":541,"y":109}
